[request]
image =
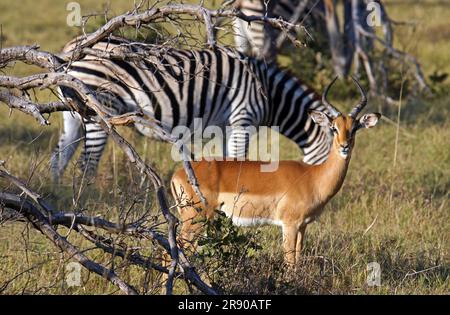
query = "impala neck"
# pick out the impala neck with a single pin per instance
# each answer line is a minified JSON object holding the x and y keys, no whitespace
{"x":331,"y":174}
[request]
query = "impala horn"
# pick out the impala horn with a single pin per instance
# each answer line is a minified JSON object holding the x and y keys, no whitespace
{"x":331,"y":109}
{"x":362,"y":103}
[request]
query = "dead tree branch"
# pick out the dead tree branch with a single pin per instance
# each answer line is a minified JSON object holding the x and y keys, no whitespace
{"x":41,"y":223}
{"x":29,"y":55}
{"x":16,"y":208}
{"x":157,"y":14}
{"x":30,"y":193}
{"x":351,"y":38}
{"x":299,"y":10}
{"x":106,"y":120}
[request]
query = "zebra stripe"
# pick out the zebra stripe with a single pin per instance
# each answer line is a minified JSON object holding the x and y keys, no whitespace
{"x":223,"y":87}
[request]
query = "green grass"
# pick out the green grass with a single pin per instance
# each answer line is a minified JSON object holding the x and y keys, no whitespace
{"x":404,"y":199}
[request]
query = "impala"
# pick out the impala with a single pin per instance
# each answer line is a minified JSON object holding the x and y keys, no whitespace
{"x":292,"y":196}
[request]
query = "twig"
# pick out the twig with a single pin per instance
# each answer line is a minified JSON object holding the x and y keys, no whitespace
{"x":421,"y":271}
{"x":402,"y":56}
{"x":24,"y":105}
{"x":20,"y":184}
{"x":294,"y":19}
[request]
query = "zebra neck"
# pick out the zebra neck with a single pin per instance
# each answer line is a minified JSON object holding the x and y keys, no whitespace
{"x":290,"y":102}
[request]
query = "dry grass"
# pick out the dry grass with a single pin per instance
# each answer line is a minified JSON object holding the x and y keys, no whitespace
{"x":406,"y":205}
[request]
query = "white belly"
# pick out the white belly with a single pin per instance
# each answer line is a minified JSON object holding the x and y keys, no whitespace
{"x":240,"y":219}
{"x":254,"y":221}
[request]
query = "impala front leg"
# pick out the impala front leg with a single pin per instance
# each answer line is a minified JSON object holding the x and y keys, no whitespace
{"x":300,"y":239}
{"x":289,"y":243}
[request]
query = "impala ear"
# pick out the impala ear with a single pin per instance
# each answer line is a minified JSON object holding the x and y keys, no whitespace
{"x":320,"y":118}
{"x":369,"y":120}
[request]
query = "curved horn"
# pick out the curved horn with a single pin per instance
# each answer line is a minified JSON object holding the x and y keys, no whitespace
{"x":333,"y":111}
{"x":362,"y":103}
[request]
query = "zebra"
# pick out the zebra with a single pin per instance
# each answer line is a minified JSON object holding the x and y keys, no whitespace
{"x":260,"y":39}
{"x":221,"y":86}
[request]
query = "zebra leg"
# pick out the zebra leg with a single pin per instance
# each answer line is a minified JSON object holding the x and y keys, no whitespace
{"x":238,"y":139}
{"x":67,"y":144}
{"x":94,"y":145}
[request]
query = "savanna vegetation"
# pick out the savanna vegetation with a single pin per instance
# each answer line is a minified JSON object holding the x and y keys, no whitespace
{"x":393,"y":208}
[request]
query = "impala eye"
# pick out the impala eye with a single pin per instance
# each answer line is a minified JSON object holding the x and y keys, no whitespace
{"x":333,"y":128}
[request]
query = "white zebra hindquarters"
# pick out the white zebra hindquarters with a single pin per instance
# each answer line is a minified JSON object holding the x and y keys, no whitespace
{"x":241,"y":37}
{"x":68,"y":142}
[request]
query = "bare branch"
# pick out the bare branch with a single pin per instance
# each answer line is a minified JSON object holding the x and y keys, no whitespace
{"x":400,"y":55}
{"x":133,"y":229}
{"x":45,"y":80}
{"x":30,"y":193}
{"x":23,"y":105}
{"x":29,"y":55}
{"x":41,"y":223}
{"x":301,"y":7}
{"x":155,"y":14}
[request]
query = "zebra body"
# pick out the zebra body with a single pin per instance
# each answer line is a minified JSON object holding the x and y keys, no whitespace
{"x":222,"y":87}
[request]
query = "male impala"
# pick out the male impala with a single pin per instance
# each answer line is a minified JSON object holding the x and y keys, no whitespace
{"x":291,"y":197}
